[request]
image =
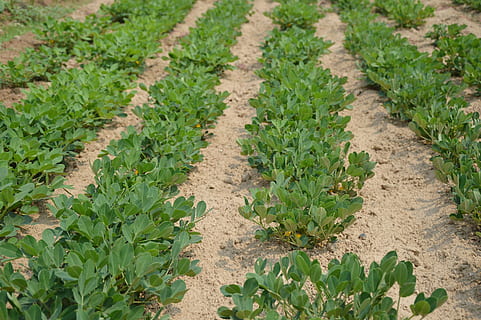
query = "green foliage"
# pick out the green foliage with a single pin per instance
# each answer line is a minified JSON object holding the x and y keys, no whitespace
{"x":352,"y":5}
{"x":68,"y":32}
{"x":25,"y":13}
{"x":296,"y":13}
{"x":39,"y":133}
{"x":102,"y":38}
{"x":303,"y":213}
{"x":126,"y":47}
{"x":121,"y":11}
{"x":113,"y":253}
{"x":407,"y":13}
{"x":42,"y":130}
{"x":296,"y":288}
{"x":32,"y":65}
{"x":293,"y":45}
{"x":208,"y":45}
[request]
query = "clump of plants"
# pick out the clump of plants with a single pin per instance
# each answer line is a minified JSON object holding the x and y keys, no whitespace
{"x":407,"y":13}
{"x":296,"y":288}
{"x":302,"y":14}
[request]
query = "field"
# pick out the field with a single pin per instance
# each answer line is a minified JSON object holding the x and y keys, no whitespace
{"x":405,"y":207}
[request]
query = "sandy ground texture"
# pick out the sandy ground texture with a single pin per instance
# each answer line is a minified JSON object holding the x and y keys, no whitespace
{"x":405,"y":209}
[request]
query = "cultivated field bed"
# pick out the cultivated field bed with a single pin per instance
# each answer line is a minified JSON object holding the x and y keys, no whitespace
{"x":406,"y":208}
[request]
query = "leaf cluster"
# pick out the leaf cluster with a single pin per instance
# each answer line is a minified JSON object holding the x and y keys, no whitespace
{"x":42,"y":130}
{"x":53,"y":122}
{"x":419,"y":93}
{"x":297,"y":13}
{"x":32,"y":65}
{"x":23,"y":13}
{"x":114,"y":252}
{"x":296,"y":288}
{"x":354,"y":6}
{"x":207,"y":46}
{"x":121,"y":11}
{"x":103,"y":39}
{"x":298,"y":142}
{"x":407,"y":13}
{"x":294,"y":45}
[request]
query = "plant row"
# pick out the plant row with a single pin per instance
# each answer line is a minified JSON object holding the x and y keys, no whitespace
{"x":54,"y":121}
{"x":119,"y":246}
{"x":298,"y":140}
{"x":460,"y":54}
{"x":417,"y":92}
{"x":299,"y":144}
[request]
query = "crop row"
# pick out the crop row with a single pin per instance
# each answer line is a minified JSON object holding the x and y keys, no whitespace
{"x":299,"y":144}
{"x":417,"y":92}
{"x":118,"y":247}
{"x":53,"y":122}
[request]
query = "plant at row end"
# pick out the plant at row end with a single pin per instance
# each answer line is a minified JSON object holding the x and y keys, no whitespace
{"x":295,"y":288}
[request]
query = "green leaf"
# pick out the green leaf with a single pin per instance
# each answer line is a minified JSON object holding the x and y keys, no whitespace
{"x":250,"y":287}
{"x":34,"y":313}
{"x":9,"y":250}
{"x":224,"y":313}
{"x":303,"y":262}
{"x":421,"y":308}
{"x":229,"y":290}
{"x":440,"y":295}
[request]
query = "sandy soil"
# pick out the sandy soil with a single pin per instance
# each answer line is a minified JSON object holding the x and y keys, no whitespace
{"x":406,"y":208}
